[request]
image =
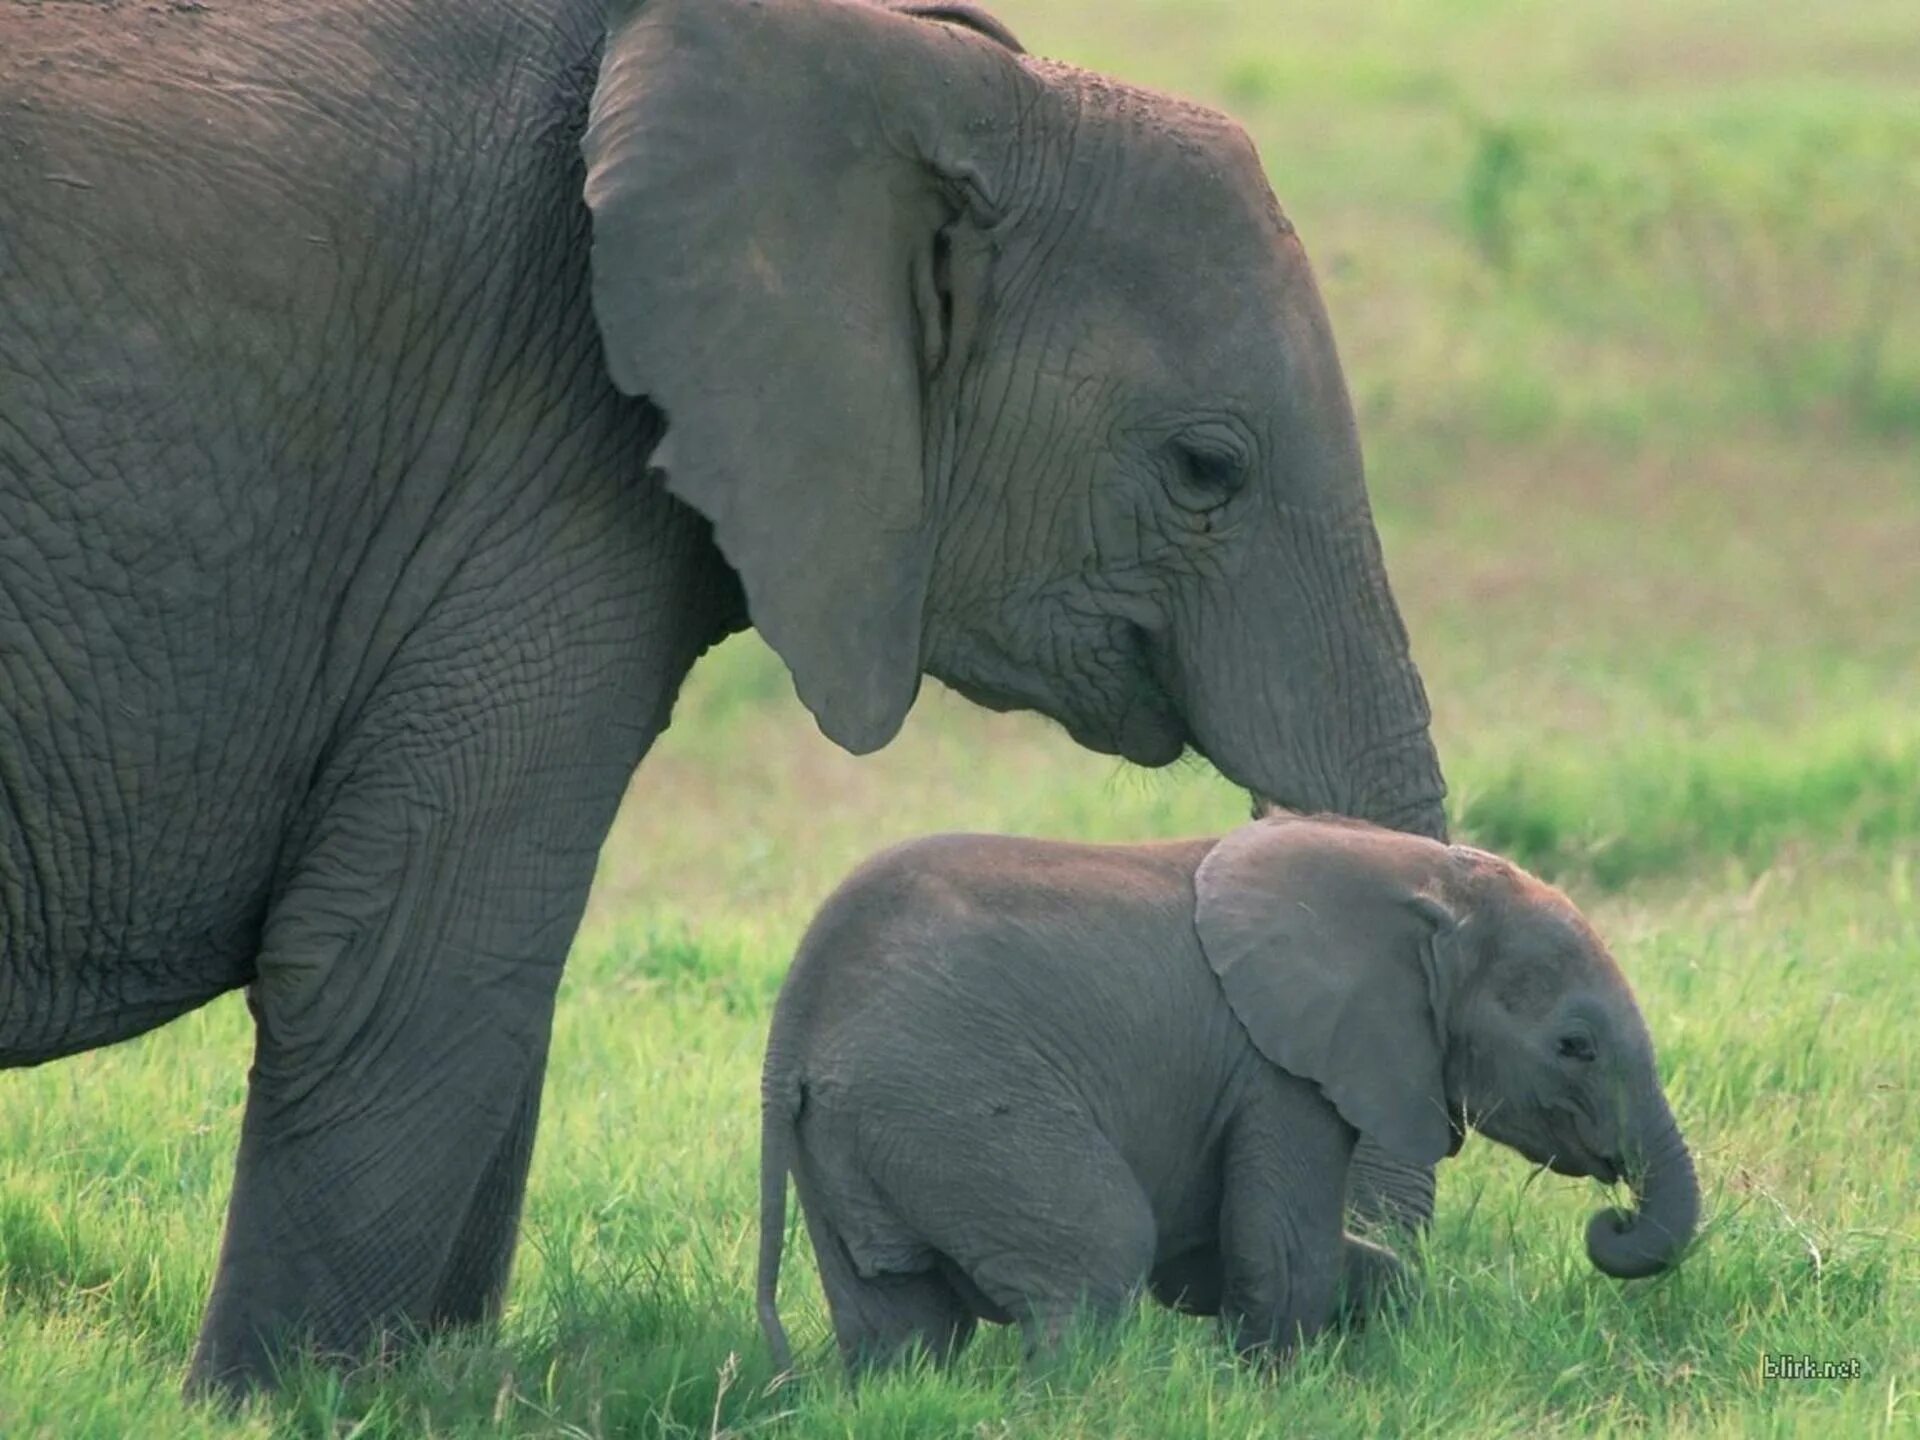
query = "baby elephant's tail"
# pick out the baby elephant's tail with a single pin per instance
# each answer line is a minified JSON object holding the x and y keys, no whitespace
{"x":779,"y":1109}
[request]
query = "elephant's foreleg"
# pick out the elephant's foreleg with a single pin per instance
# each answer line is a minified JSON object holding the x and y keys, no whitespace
{"x":1388,"y":1197}
{"x":405,"y":991}
{"x":1282,"y":1252}
{"x":476,"y":1271}
{"x":1189,"y":1283}
{"x":1372,"y":1282}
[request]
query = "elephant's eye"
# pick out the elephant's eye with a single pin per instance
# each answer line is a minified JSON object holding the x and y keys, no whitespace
{"x":1208,"y":476}
{"x":1575,"y":1047}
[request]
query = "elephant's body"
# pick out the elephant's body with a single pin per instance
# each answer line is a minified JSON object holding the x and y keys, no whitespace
{"x":1018,"y":1080}
{"x":217,"y":621}
{"x":345,"y":573}
{"x":327,"y":679}
{"x":1009,"y":1086}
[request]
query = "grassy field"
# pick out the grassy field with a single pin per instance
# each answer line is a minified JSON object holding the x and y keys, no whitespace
{"x":1628,"y":293}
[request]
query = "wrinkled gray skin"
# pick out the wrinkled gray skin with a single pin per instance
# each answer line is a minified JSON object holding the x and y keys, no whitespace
{"x":1013,"y":1079}
{"x":344,"y":577}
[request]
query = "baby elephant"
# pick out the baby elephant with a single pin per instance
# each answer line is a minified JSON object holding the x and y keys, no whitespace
{"x":1016,"y":1079}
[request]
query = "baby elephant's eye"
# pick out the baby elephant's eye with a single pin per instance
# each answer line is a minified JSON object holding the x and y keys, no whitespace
{"x":1576,"y":1047}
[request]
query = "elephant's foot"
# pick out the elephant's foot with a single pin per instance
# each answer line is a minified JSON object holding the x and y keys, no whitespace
{"x":350,"y":1270}
{"x":1388,"y":1198}
{"x":345,"y":1249}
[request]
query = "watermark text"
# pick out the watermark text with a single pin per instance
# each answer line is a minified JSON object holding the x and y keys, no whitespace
{"x":1807,"y":1367}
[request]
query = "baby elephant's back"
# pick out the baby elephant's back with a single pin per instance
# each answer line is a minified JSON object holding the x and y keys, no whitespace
{"x":965,"y":955}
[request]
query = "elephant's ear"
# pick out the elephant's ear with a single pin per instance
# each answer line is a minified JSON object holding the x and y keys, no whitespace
{"x":1326,"y":939}
{"x":769,"y":180}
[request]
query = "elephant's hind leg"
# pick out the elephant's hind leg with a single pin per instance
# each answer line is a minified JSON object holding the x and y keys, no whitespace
{"x":1042,"y":1215}
{"x":879,"y":1319}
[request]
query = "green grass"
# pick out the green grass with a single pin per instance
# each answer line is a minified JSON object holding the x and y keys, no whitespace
{"x":1661,"y":562}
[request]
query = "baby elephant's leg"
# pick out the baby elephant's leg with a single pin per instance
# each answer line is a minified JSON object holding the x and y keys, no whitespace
{"x":1039,"y":1212}
{"x":1373,"y":1282}
{"x":1283,"y":1252}
{"x":878,"y":1319}
{"x":1189,"y":1283}
{"x":889,"y":1315}
{"x":1087,"y":1266}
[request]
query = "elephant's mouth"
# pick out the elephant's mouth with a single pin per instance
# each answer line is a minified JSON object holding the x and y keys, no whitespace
{"x":1144,"y":735}
{"x":1148,"y":729}
{"x":1132,"y":715}
{"x":1568,"y":1158}
{"x":1150,"y":732}
{"x":1606,"y":1171}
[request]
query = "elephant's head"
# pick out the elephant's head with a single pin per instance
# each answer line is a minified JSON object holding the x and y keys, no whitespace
{"x":1424,"y":987}
{"x":992,"y":369}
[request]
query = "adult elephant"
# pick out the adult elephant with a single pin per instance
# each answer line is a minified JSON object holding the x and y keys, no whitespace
{"x":345,"y":574}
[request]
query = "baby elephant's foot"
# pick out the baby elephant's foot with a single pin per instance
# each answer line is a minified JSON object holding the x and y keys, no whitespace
{"x":1373,"y":1283}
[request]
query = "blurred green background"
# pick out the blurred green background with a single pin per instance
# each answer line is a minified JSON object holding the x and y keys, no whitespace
{"x":1629,"y":298}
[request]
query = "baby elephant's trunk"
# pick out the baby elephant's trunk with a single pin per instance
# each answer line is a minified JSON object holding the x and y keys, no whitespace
{"x":1629,"y":1244}
{"x":778,"y":1110}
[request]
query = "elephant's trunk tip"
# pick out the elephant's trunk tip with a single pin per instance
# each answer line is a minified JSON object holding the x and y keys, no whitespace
{"x":1633,"y":1244}
{"x":1618,"y":1245}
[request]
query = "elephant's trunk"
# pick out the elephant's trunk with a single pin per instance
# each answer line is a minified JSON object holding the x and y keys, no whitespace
{"x":1391,"y":769}
{"x":1406,"y":792}
{"x":1371,"y":755}
{"x":1424,"y":817}
{"x":1630,"y":1244}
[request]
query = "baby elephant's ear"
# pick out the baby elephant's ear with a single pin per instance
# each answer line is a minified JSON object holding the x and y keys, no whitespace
{"x":1324,"y":938}
{"x":957,"y":12}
